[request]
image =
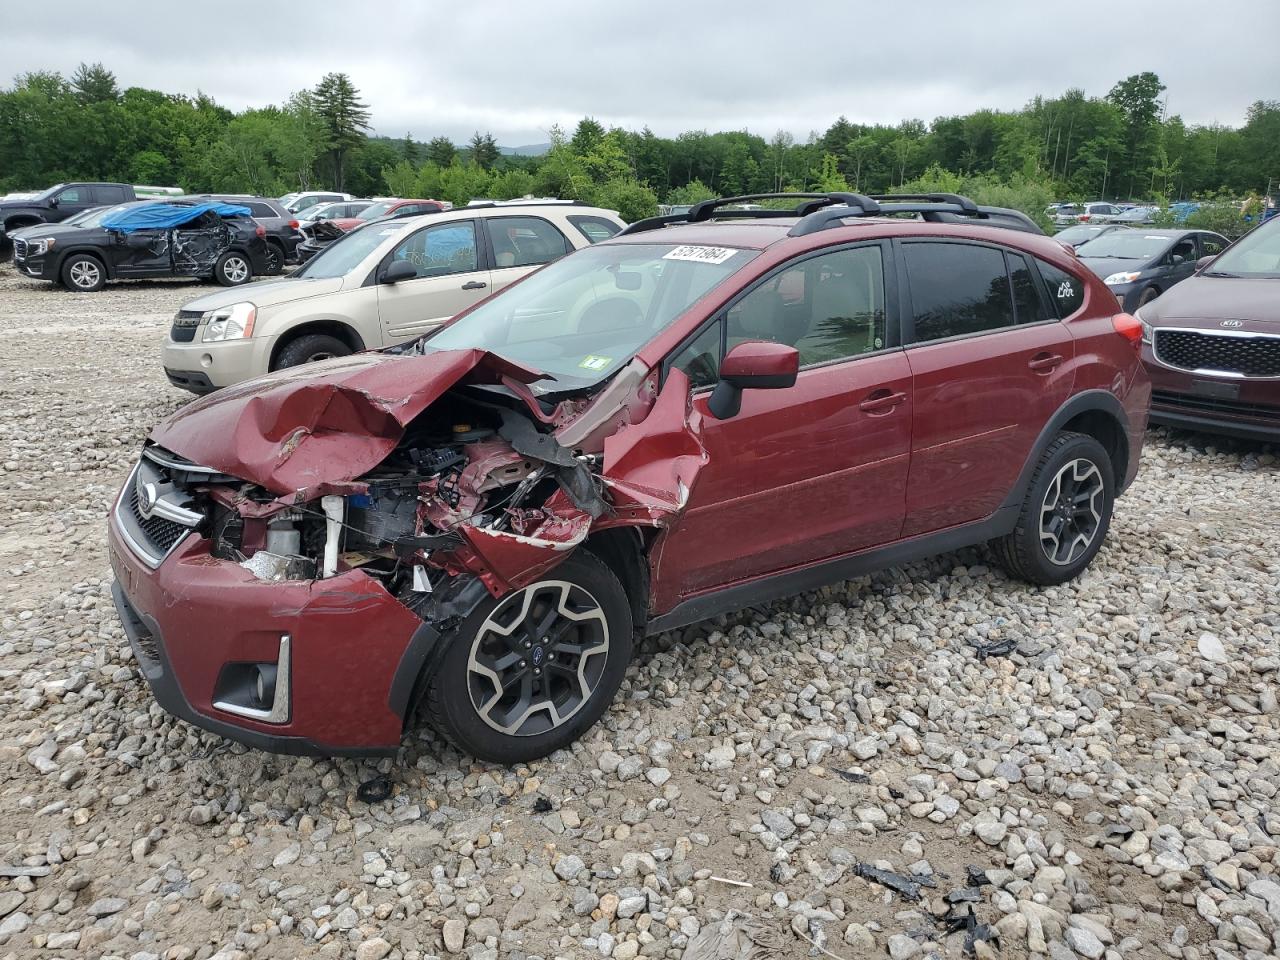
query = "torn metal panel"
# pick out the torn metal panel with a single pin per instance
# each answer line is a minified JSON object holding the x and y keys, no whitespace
{"x":650,"y":467}
{"x":508,"y":560}
{"x":321,"y":423}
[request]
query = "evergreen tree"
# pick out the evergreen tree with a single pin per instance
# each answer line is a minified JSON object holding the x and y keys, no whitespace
{"x":94,"y":83}
{"x":441,"y":151}
{"x":484,"y":150}
{"x":345,"y":119}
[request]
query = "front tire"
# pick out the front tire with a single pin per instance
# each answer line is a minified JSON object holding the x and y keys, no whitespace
{"x":1065,"y":513}
{"x":1148,"y":295}
{"x":233,"y":269}
{"x":528,"y":674}
{"x":83,"y":273}
{"x":309,"y":349}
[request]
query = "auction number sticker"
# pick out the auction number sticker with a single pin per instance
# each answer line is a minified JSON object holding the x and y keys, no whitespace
{"x":701,"y":254}
{"x":595,"y":363}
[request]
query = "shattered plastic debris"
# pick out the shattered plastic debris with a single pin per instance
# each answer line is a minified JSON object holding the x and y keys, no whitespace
{"x":273,"y":566}
{"x":996,"y":648}
{"x":976,"y":876}
{"x":374,"y":790}
{"x":542,"y":805}
{"x":974,"y":931}
{"x":906,"y":885}
{"x":853,"y":776}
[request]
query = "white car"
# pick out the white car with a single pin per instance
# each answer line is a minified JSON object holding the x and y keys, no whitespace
{"x":298,"y":202}
{"x":383,"y":283}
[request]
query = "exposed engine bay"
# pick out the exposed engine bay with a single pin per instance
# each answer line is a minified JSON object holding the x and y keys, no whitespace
{"x":471,"y":474}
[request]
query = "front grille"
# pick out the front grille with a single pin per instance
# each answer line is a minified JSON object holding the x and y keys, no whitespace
{"x":1213,"y":405}
{"x":19,"y":248}
{"x":161,"y":534}
{"x":184,"y":326}
{"x":1245,"y":355}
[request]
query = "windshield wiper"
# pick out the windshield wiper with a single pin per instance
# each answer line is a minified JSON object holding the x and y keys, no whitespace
{"x":1221,"y":273}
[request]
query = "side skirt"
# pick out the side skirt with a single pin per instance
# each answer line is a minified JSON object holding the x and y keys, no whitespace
{"x":790,"y":582}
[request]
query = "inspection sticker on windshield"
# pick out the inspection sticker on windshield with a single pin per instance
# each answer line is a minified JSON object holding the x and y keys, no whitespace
{"x":596,"y":363}
{"x":701,"y":254}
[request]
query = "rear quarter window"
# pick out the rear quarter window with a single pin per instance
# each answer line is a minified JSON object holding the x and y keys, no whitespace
{"x":595,"y":229}
{"x":1065,"y":290}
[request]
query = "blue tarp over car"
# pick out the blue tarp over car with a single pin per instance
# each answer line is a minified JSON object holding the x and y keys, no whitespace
{"x":164,"y":216}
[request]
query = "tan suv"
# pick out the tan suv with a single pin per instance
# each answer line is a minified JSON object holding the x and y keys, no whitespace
{"x":381,"y":284}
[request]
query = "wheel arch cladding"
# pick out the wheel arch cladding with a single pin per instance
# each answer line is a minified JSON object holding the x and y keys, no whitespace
{"x":1096,"y":413}
{"x":329,"y":328}
{"x":624,"y":550}
{"x":88,"y":252}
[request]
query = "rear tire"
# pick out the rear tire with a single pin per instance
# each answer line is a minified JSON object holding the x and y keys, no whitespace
{"x":310,"y":348}
{"x":233,"y":269}
{"x":83,"y":273}
{"x":1065,"y":513}
{"x":528,"y":674}
{"x":275,"y":259}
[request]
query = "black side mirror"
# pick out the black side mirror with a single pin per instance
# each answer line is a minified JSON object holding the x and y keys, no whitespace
{"x":399,"y":270}
{"x":53,"y":201}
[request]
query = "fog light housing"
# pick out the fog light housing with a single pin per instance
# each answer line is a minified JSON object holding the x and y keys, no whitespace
{"x":257,"y":691}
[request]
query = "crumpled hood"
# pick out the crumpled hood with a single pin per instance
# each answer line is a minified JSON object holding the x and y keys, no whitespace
{"x":266,"y":293}
{"x":321,"y":423}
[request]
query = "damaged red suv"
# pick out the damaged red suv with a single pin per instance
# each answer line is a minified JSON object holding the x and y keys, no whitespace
{"x":713,"y":409}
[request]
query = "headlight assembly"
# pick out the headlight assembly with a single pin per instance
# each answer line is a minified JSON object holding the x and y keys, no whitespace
{"x":229,"y":323}
{"x":38,"y":248}
{"x":1116,"y":278}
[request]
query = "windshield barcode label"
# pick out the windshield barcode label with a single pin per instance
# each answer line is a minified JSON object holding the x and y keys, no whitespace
{"x":701,"y":254}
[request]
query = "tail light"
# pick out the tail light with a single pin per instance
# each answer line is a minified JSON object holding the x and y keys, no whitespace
{"x":1084,"y":217}
{"x":1129,"y":327}
{"x":293,"y":224}
{"x":261,"y":231}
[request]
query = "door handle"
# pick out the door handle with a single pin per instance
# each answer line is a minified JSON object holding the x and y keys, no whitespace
{"x":1044,"y":362}
{"x":474,"y":285}
{"x":881,"y":401}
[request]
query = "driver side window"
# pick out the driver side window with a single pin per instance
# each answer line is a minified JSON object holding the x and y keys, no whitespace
{"x":441,"y":250}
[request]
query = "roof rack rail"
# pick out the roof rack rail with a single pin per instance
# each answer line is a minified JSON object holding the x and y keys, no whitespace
{"x":968,"y":205}
{"x":855,"y":203}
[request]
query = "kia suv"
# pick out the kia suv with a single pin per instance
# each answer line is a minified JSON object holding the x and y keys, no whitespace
{"x":710,"y":410}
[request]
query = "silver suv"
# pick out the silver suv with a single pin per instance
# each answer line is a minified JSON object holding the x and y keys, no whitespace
{"x":381,"y":284}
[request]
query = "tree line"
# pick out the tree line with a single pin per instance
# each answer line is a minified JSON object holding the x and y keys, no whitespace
{"x":1120,"y":146}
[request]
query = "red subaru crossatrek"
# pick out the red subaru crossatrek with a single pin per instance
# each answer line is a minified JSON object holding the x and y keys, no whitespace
{"x":711,"y":410}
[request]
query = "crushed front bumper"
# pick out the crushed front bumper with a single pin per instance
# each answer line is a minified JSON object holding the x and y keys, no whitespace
{"x":193,"y":616}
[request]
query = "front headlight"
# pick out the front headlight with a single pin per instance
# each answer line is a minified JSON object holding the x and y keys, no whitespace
{"x":1121,"y":278}
{"x":1147,"y":331}
{"x":38,"y":248}
{"x":230,"y":323}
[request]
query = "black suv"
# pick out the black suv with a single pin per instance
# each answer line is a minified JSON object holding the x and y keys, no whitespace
{"x":208,"y":243}
{"x":283,"y":235}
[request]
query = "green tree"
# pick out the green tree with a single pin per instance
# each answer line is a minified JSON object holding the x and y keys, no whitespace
{"x":1138,"y":98}
{"x":441,"y":151}
{"x":692,"y":192}
{"x":94,"y":83}
{"x":484,"y":150}
{"x":409,"y":149}
{"x":588,"y":134}
{"x":345,"y":119}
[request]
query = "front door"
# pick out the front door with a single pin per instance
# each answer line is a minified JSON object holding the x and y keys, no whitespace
{"x":449,"y":280}
{"x":987,"y":376}
{"x":808,"y":472}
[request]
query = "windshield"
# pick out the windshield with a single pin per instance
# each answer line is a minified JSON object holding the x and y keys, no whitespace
{"x":583,"y":317}
{"x":1125,"y":245}
{"x":46,"y":194}
{"x":1078,"y":234}
{"x":318,"y":212}
{"x":375,"y":210}
{"x":342,"y":255}
{"x":1255,"y":255}
{"x":92,"y":218}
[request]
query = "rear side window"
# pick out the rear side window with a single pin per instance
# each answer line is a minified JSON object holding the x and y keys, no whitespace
{"x":1212,"y":244}
{"x":105,"y":193}
{"x":525,"y":241}
{"x":957,"y":289}
{"x":258,"y":209}
{"x":1066,"y":291}
{"x":1026,"y":293}
{"x":595,"y":229}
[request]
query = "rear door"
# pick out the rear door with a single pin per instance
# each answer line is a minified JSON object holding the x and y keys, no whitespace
{"x":808,"y":472}
{"x":990,"y":364}
{"x":518,"y":244}
{"x":451,"y":277}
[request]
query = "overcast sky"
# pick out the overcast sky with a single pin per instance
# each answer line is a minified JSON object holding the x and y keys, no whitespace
{"x":517,"y":68}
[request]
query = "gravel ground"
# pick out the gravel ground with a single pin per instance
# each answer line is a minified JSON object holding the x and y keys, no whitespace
{"x":1114,"y":777}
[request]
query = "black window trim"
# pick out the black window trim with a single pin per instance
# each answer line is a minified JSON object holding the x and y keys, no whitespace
{"x":892,"y":307}
{"x":1037,"y":282}
{"x":908,"y":324}
{"x":577,"y":220}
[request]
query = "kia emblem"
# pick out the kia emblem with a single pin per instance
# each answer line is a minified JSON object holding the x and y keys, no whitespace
{"x":1233,"y":323}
